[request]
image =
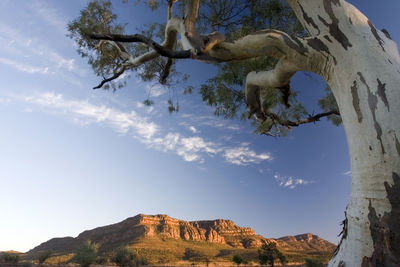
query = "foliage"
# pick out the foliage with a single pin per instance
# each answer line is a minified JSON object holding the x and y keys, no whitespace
{"x":223,"y":92}
{"x":44,"y":256}
{"x":314,"y":263}
{"x":86,"y":254}
{"x":237,"y":259}
{"x":11,"y":258}
{"x":327,"y":103}
{"x":269,"y":253}
{"x":124,"y":257}
{"x":97,"y":17}
{"x":191,"y":254}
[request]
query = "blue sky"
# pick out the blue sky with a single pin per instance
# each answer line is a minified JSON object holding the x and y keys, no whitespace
{"x":72,"y":158}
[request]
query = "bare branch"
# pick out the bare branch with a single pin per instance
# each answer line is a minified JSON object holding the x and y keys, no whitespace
{"x":192,"y":9}
{"x":288,"y":123}
{"x":115,"y":76}
{"x":138,"y":38}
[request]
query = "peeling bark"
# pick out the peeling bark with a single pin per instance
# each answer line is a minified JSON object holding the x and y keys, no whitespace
{"x":376,"y":35}
{"x":385,"y":230}
{"x":364,"y":80}
{"x":334,"y":29}
{"x":356,"y":101}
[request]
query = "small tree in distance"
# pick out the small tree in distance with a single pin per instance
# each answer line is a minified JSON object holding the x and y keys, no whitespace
{"x":86,"y":254}
{"x":237,"y":259}
{"x":268,"y":253}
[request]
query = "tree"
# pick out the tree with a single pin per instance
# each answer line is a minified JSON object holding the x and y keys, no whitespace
{"x":44,"y":256}
{"x":124,"y":257}
{"x":359,"y":63}
{"x":269,"y":253}
{"x":86,"y":254}
{"x":237,"y":259}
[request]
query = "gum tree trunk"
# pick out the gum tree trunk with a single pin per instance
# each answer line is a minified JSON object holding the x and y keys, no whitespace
{"x":361,"y":64}
{"x":364,"y":75}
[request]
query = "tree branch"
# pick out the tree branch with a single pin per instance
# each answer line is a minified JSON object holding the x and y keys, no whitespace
{"x":115,"y":76}
{"x":138,"y":38}
{"x":166,"y":71}
{"x":279,"y":78}
{"x":288,"y":123}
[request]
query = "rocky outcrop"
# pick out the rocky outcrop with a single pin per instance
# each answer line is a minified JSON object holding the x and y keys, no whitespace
{"x":135,"y":229}
{"x":305,"y":242}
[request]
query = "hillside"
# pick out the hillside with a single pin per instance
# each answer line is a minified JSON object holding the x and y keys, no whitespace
{"x":161,"y":239}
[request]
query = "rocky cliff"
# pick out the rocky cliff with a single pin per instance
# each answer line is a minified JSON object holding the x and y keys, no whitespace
{"x":150,"y":227}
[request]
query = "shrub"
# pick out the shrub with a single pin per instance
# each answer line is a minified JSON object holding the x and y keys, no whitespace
{"x":237,"y":259}
{"x":86,"y":254}
{"x":123,"y":257}
{"x":11,"y":258}
{"x":44,"y":256}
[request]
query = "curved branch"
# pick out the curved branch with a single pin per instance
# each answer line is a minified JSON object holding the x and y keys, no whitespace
{"x":279,"y":78}
{"x":288,"y":123}
{"x":138,"y":38}
{"x":115,"y":76}
{"x":309,"y":119}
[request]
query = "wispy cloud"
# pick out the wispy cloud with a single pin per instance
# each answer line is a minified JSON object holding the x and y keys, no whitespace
{"x":289,"y":181}
{"x":211,"y":121}
{"x":50,"y":15}
{"x":244,"y":156}
{"x":348,"y":173}
{"x":24,"y":67}
{"x":190,"y":148}
{"x":120,"y":121}
{"x":155,"y":90}
{"x":17,"y":45}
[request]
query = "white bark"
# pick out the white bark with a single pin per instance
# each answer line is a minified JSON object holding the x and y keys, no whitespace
{"x":361,"y":65}
{"x":365,"y":79}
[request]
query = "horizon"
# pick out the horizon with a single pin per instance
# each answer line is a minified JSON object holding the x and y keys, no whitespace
{"x":157,"y":215}
{"x":74,"y":158}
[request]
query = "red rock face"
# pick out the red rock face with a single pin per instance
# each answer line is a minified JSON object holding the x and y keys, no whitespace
{"x":215,"y":231}
{"x":142,"y":226}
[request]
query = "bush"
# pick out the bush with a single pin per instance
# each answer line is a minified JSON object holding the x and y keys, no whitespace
{"x":44,"y":256}
{"x":314,"y":263}
{"x":10,"y":258}
{"x":123,"y":257}
{"x":86,"y":254}
{"x":237,"y":259}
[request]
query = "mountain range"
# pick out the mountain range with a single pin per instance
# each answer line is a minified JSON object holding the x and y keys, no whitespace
{"x":162,"y":239}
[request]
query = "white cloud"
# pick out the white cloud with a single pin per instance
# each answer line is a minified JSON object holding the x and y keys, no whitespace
{"x":155,"y":90}
{"x":193,"y":148}
{"x":16,"y":44}
{"x":120,"y":121}
{"x":24,"y":67}
{"x":348,"y":173}
{"x":244,"y":156}
{"x":289,"y":181}
{"x":193,"y":129}
{"x":189,"y":148}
